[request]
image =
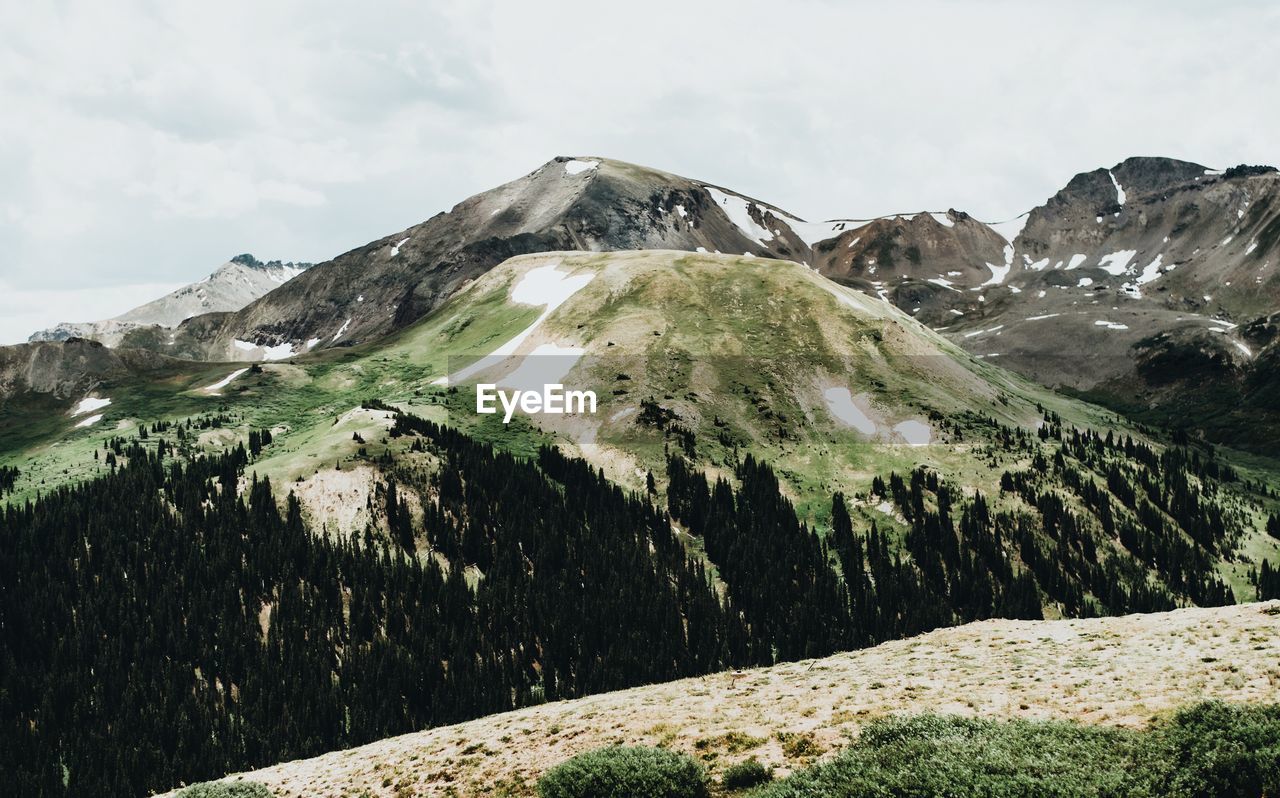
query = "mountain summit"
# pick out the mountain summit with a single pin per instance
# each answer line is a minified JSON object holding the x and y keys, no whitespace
{"x":230,"y":287}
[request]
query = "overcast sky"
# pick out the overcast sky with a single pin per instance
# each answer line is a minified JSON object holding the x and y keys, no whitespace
{"x":144,"y":143}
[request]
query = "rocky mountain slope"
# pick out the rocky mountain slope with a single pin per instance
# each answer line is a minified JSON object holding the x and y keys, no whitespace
{"x":1153,"y":286}
{"x":1114,"y":671}
{"x":567,"y":204}
{"x":230,"y":287}
{"x":70,"y":369}
{"x":715,"y":356}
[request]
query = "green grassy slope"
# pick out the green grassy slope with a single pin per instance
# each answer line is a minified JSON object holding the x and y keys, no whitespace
{"x":731,"y":353}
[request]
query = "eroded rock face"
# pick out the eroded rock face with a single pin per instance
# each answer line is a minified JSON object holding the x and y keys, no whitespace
{"x":67,"y":369}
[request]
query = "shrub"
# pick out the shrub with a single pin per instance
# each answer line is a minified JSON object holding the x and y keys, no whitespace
{"x":1205,"y":751}
{"x":226,"y":789}
{"x":967,"y":758}
{"x":1214,"y":749}
{"x":625,"y":772}
{"x":746,"y":774}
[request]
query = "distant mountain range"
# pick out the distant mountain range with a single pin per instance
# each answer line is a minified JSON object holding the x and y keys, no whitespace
{"x":1132,"y":284}
{"x":231,"y":286}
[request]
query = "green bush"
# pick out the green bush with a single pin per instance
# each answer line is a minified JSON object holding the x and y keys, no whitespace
{"x":1214,"y":749}
{"x":625,"y":772}
{"x":1206,"y":751}
{"x":966,"y":758}
{"x":226,"y":789}
{"x":746,"y":774}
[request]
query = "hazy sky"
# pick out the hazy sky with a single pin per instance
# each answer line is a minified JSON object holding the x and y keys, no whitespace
{"x":143,"y":143}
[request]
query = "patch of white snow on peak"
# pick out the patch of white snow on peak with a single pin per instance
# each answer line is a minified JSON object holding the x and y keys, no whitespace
{"x":1076,"y":261}
{"x":739,"y":212}
{"x":1226,"y":241}
{"x":244,"y":345}
{"x":1117,"y":262}
{"x":224,"y":382}
{"x":1084,"y":282}
{"x":576,"y":167}
{"x":311,"y":342}
{"x":998,"y":273}
{"x":1243,"y":348}
{"x":944,"y":282}
{"x":1252,"y":246}
{"x":680,"y":210}
{"x":90,"y":421}
{"x":1011,"y":229}
{"x":1110,"y":325}
{"x":88,"y":405}
{"x":341,"y":330}
{"x":843,"y":406}
{"x":915,"y":433}
{"x":1045,"y":316}
{"x":395,"y":249}
{"x":1120,"y":196}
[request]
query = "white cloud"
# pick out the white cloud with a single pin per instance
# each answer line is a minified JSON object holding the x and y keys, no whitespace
{"x":145,"y":143}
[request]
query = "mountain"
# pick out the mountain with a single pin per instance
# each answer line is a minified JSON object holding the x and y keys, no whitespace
{"x":1136,"y":668}
{"x":1151,"y":286}
{"x":70,"y":368}
{"x":779,"y":467}
{"x":567,"y":204}
{"x":230,"y":287}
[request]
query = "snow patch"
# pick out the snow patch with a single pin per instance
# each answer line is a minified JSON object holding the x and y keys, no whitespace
{"x":395,"y":249}
{"x":1110,"y":325}
{"x":547,"y":364}
{"x":1084,"y":282}
{"x":1120,"y":196}
{"x":341,"y":330}
{"x":88,"y":405}
{"x":90,"y":421}
{"x":278,"y":352}
{"x":224,"y":382}
{"x":1117,"y":262}
{"x":576,"y":167}
{"x":739,"y":212}
{"x":1151,"y":271}
{"x":1045,"y":316}
{"x":981,"y":332}
{"x":1076,"y":261}
{"x":543,"y":285}
{"x":998,"y":273}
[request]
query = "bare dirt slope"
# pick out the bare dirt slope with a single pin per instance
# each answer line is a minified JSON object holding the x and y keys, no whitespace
{"x":1122,"y":671}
